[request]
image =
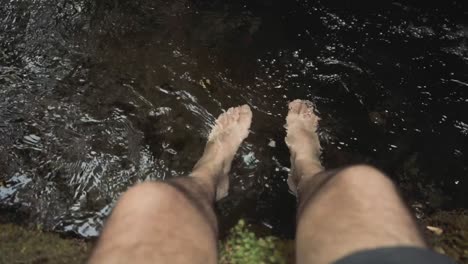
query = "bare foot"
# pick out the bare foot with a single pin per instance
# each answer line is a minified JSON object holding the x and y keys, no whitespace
{"x":231,"y":128}
{"x":303,"y":142}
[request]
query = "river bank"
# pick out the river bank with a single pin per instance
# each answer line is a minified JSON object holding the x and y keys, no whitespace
{"x":447,"y":233}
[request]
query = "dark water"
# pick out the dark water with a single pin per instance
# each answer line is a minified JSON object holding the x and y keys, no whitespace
{"x":98,"y":95}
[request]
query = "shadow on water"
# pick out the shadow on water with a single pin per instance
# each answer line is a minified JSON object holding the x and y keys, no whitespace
{"x":99,"y":95}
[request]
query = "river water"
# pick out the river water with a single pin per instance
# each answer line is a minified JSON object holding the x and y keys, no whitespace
{"x":96,"y":95}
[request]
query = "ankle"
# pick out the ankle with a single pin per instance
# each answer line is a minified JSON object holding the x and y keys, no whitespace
{"x":208,"y":165}
{"x":206,"y":183}
{"x":306,"y":160}
{"x":306,"y":168}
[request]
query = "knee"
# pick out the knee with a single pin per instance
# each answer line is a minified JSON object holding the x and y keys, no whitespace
{"x":363,"y":176}
{"x":150,"y":192}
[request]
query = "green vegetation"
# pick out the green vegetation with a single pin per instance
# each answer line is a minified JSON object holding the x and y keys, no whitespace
{"x":22,"y":245}
{"x":453,"y":239}
{"x":244,"y":247}
{"x":447,"y":232}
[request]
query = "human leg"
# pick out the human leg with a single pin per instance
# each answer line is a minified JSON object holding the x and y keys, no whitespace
{"x":344,"y":211}
{"x":174,"y":221}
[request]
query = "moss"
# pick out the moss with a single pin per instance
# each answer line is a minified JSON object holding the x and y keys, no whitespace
{"x":21,"y":245}
{"x":244,"y":247}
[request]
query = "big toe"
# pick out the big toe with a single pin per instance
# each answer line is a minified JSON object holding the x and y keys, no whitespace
{"x":300,"y":107}
{"x":295,"y":106}
{"x":306,"y":107}
{"x":245,"y":109}
{"x":245,"y":116}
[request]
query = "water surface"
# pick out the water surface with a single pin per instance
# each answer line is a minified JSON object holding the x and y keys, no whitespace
{"x":98,"y":95}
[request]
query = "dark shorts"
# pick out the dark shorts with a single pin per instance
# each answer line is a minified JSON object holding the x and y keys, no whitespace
{"x":396,"y":255}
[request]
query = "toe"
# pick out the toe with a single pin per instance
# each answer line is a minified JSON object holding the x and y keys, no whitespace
{"x":245,"y":109}
{"x":306,"y":107}
{"x":295,"y":106}
{"x":234,"y":117}
{"x":227,"y":116}
{"x":223,"y":119}
{"x":245,"y":116}
{"x":230,"y":110}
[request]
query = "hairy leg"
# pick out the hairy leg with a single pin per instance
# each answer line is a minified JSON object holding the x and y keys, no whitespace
{"x":344,"y":211}
{"x":174,"y":221}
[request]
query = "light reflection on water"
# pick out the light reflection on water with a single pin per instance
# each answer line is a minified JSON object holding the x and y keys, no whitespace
{"x":97,"y":96}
